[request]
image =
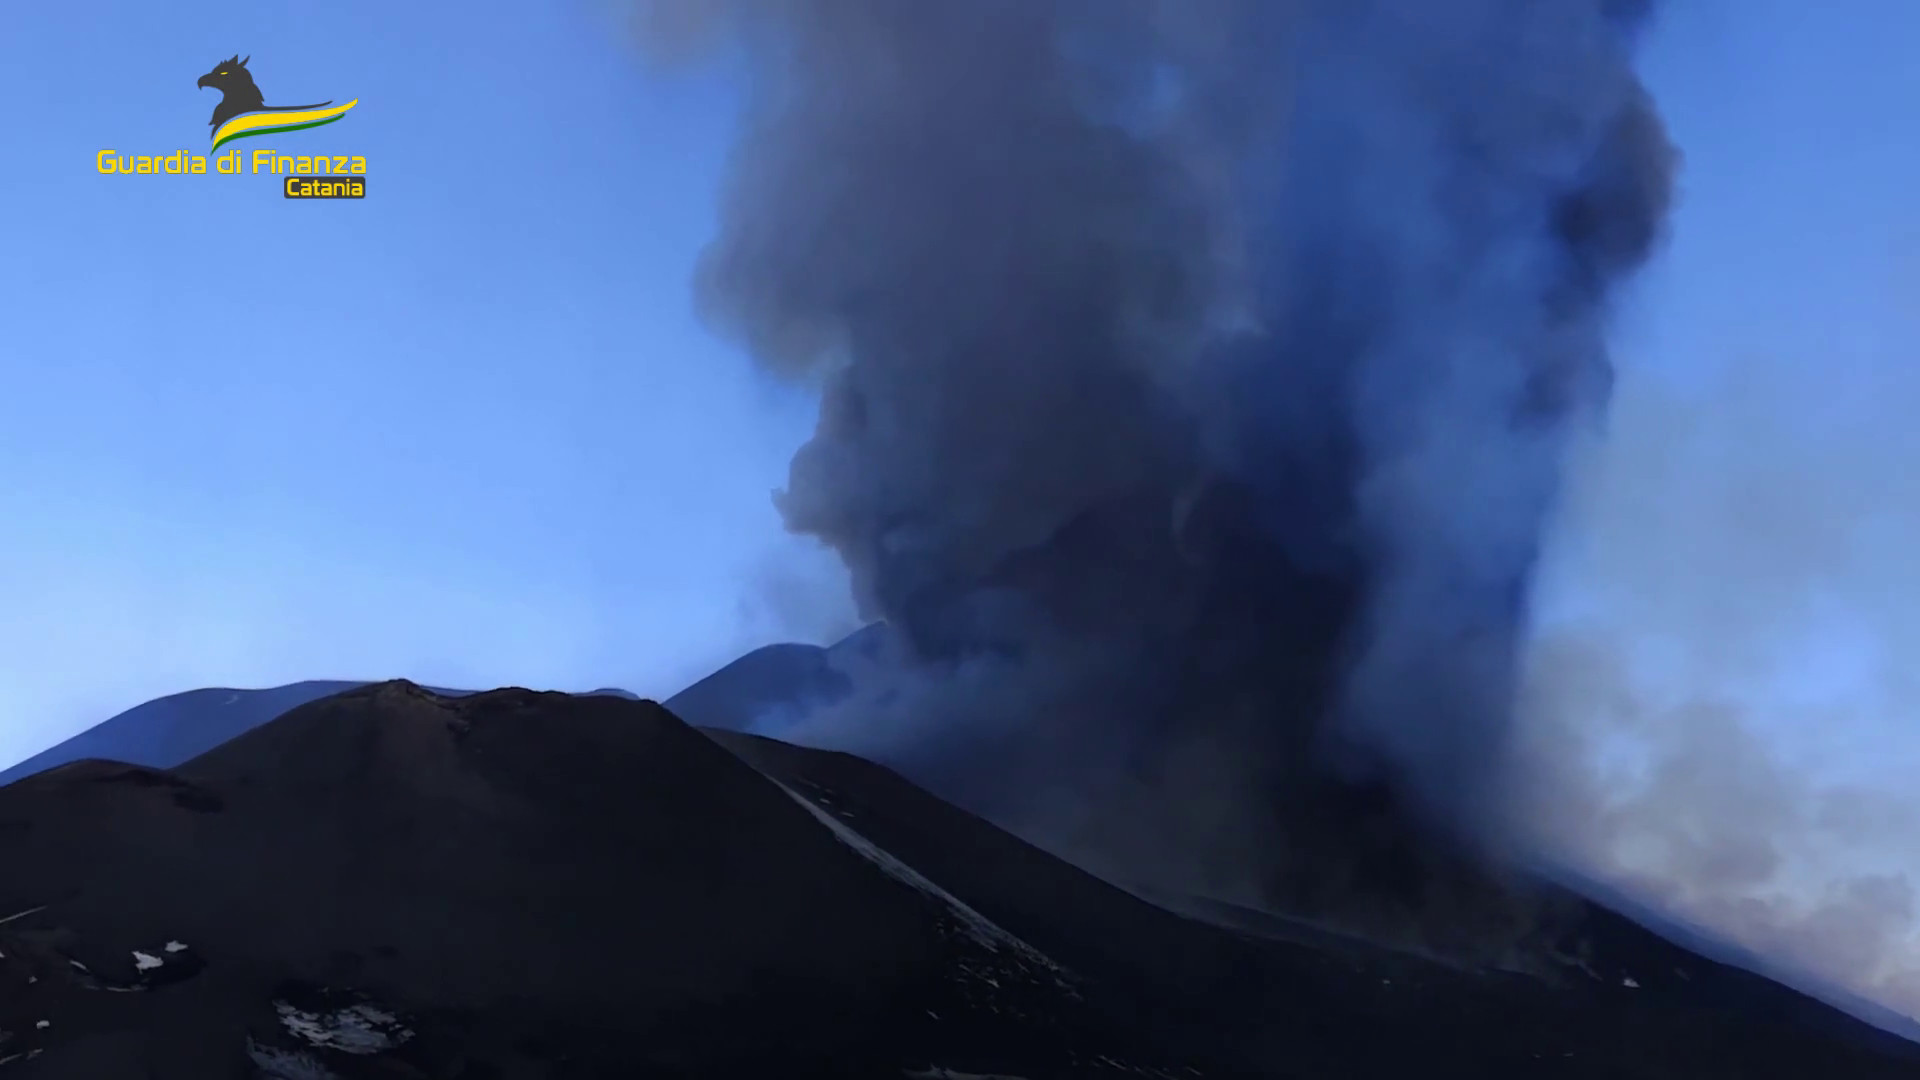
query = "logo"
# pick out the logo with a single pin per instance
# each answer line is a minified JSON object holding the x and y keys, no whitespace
{"x":243,"y":113}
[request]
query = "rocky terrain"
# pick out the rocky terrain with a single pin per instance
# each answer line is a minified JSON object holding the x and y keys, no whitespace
{"x":392,"y":882}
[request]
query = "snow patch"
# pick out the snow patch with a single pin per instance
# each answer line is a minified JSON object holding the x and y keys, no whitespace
{"x":145,"y":961}
{"x":23,"y":914}
{"x":356,"y":1029}
{"x":981,"y":929}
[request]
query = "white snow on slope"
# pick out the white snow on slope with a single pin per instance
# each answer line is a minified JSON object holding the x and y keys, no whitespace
{"x":356,"y":1029}
{"x":982,"y":929}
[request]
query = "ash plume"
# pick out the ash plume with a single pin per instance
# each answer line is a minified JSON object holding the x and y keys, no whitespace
{"x":1195,"y":378}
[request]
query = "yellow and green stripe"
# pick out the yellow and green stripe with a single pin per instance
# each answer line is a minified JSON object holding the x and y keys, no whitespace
{"x":274,"y":121}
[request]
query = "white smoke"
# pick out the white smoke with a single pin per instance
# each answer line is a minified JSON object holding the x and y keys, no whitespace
{"x":1720,"y":701}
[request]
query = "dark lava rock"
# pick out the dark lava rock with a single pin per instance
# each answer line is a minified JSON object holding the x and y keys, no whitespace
{"x":395,"y":883}
{"x":1590,"y":994}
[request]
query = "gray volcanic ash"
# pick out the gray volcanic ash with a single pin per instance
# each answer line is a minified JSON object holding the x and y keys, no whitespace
{"x":1195,"y":381}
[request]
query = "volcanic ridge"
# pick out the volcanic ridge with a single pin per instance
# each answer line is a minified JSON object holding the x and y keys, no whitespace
{"x":393,"y":882}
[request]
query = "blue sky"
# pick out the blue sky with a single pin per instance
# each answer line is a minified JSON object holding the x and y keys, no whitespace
{"x":468,"y":430}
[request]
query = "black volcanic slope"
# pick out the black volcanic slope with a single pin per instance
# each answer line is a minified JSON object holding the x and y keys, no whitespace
{"x":393,"y":883}
{"x":1600,"y":996}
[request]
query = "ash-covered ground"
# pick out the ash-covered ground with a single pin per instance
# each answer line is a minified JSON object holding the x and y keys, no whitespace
{"x":395,"y":883}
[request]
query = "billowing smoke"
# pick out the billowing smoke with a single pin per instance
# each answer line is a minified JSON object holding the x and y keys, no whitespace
{"x":1195,"y":377}
{"x":1718,"y":704}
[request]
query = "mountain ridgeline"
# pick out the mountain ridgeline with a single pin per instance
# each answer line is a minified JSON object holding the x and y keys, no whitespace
{"x":388,"y":881}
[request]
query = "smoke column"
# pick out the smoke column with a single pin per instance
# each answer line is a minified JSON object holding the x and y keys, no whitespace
{"x":1196,"y":376}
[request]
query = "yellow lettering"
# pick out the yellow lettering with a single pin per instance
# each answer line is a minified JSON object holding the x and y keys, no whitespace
{"x":106,"y":162}
{"x":323,"y":187}
{"x":359,"y":165}
{"x":267,"y":154}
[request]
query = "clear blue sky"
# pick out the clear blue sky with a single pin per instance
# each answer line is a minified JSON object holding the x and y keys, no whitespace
{"x":469,"y":431}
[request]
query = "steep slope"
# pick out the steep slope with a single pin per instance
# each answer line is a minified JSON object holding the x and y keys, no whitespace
{"x":1594,"y":994}
{"x":505,"y":884}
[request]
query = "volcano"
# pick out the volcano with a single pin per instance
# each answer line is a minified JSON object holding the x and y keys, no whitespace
{"x":393,"y":882}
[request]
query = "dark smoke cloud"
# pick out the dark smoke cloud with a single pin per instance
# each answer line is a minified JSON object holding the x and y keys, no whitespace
{"x":1194,"y":379}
